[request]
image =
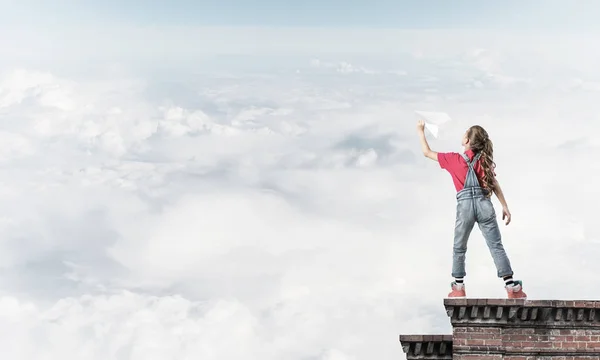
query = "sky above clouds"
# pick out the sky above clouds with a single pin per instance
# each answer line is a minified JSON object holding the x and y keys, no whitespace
{"x":534,"y":14}
{"x":194,"y":182}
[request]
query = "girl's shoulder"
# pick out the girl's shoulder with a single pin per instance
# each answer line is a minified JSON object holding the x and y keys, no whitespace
{"x":451,"y":160}
{"x":452,"y":154}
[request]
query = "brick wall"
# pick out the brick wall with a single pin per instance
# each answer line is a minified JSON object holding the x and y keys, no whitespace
{"x":524,"y":330}
{"x":526,"y":342}
{"x":503,"y":329}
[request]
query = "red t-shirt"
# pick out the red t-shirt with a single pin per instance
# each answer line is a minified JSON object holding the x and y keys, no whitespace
{"x":456,"y":165}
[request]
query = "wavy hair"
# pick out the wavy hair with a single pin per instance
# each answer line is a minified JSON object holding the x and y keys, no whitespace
{"x":480,"y":142}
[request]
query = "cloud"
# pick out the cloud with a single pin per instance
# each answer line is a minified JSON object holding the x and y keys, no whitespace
{"x":125,"y":325}
{"x":170,"y":213}
{"x":342,"y":67}
{"x":252,"y":216}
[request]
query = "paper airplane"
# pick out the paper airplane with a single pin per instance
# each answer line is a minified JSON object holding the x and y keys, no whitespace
{"x":433,"y":121}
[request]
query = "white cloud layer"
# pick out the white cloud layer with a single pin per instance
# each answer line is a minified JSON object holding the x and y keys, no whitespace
{"x":282,"y":210}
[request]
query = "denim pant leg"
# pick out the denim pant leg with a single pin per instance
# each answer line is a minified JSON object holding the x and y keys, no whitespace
{"x":465,"y":220}
{"x":488,"y":224}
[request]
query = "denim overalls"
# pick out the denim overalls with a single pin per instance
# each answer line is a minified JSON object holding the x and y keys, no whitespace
{"x":473,"y":206}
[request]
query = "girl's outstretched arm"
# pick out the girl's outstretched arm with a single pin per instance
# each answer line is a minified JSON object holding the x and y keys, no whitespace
{"x":424,"y":145}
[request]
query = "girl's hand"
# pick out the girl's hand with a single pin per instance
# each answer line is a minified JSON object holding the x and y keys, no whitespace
{"x":506,"y":214}
{"x":420,"y":126}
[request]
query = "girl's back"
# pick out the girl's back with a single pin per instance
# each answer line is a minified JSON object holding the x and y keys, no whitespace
{"x":456,"y":165}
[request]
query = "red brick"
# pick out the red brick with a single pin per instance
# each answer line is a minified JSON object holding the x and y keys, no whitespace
{"x":568,"y":345}
{"x":482,"y":336}
{"x":493,"y":342}
{"x":475,"y":342}
{"x":459,"y":342}
{"x":593,"y":345}
{"x":461,"y":336}
{"x":477,"y":357}
{"x":518,"y":337}
{"x":558,"y":338}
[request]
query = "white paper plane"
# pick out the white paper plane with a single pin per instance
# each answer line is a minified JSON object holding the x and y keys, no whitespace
{"x":433,"y":121}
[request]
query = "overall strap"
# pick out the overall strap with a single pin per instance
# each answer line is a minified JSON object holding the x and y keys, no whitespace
{"x":471,"y":180}
{"x":471,"y":162}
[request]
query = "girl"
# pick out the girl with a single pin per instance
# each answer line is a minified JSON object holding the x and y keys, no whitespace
{"x":475,"y":181}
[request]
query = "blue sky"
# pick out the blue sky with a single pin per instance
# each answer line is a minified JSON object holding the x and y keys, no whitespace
{"x":336,"y":13}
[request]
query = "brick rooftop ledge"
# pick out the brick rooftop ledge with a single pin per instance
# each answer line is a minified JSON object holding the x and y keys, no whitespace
{"x":495,"y":329}
{"x":524,"y":313}
{"x":427,"y":346}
